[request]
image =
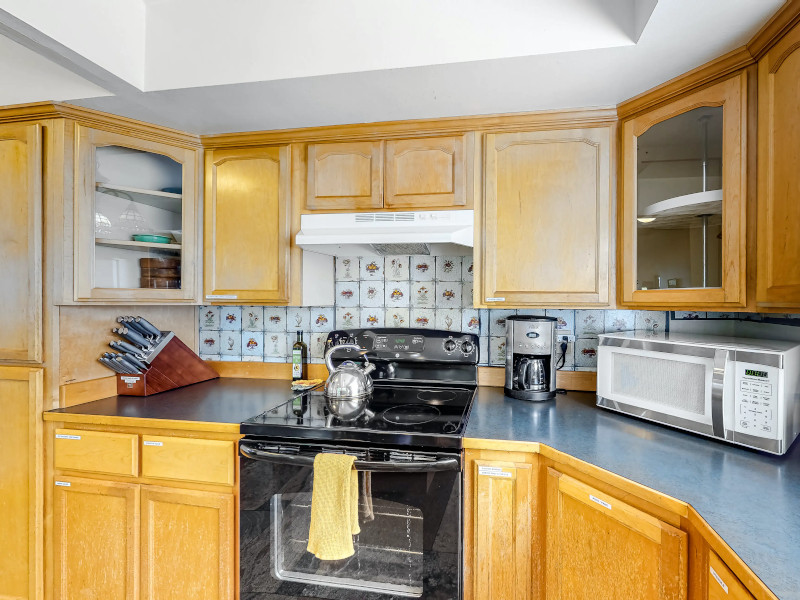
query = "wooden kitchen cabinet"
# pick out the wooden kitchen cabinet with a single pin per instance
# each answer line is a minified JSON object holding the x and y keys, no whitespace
{"x":778,"y":278}
{"x":20,"y":483}
{"x":95,"y":539}
{"x":602,"y":548}
{"x":21,"y":242}
{"x":187,"y":545}
{"x":683,"y":203}
{"x":345,"y":176}
{"x":543,"y":227}
{"x":247,"y":225}
{"x":426,"y":172}
{"x":722,"y":583}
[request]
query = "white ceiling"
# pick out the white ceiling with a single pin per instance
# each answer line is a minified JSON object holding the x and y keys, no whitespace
{"x":212,"y":67}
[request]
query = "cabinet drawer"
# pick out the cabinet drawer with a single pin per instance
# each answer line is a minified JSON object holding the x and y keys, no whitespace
{"x":97,"y":452}
{"x":187,"y":459}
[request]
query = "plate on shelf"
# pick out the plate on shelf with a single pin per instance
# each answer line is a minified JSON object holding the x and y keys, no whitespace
{"x":153,"y":239}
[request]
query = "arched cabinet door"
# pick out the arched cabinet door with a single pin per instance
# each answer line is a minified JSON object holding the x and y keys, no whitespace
{"x":778,"y":173}
{"x":345,"y":176}
{"x":682,"y":207}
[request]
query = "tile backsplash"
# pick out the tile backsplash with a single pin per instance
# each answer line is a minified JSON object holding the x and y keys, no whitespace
{"x":399,"y":291}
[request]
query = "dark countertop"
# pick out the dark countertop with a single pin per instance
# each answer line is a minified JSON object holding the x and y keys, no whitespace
{"x":219,"y":404}
{"x":751,"y":499}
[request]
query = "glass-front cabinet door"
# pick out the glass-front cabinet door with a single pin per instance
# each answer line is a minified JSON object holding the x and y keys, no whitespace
{"x":136,"y":219}
{"x":683,"y":205}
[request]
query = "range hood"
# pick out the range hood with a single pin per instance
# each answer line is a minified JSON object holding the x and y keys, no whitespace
{"x":443,"y":232}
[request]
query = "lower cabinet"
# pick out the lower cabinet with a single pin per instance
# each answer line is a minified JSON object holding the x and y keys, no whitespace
{"x":722,"y":583}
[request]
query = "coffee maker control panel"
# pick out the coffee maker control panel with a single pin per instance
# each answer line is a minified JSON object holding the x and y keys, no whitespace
{"x":532,"y":340}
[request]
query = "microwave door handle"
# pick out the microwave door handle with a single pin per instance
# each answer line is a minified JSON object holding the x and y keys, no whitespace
{"x":721,"y":367}
{"x":300,"y":460}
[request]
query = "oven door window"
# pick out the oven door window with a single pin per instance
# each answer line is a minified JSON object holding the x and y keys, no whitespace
{"x":408,"y":547}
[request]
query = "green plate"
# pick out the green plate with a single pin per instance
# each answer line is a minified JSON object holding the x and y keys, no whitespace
{"x":153,"y":239}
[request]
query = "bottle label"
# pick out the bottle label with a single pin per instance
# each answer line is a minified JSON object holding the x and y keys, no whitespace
{"x":297,"y":363}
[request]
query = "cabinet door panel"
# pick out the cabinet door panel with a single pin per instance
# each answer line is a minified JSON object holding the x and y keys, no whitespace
{"x":347,"y":175}
{"x":722,"y":583}
{"x":778,"y":174}
{"x":96,"y":540}
{"x":20,"y":487}
{"x":428,"y":172}
{"x":533,"y":181}
{"x":21,"y":242}
{"x":601,"y":548}
{"x":187,"y":545}
{"x":247,"y":225}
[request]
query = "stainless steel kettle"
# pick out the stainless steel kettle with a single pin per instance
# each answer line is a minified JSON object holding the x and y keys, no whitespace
{"x":349,"y":386}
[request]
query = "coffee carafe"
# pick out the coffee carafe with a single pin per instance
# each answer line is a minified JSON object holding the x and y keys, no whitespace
{"x":530,"y":357}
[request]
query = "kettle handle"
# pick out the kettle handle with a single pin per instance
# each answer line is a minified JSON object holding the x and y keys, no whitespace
{"x":522,"y":373}
{"x":329,"y":360}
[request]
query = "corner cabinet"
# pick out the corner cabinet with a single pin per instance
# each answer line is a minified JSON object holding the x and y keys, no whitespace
{"x":683,"y":203}
{"x":136,"y":219}
{"x":543,"y":226}
{"x":779,"y":174}
{"x":247,"y":225}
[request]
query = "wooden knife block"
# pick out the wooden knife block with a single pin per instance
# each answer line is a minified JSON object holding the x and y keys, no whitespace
{"x":172,"y":365}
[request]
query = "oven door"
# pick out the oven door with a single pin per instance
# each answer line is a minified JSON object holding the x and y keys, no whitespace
{"x":409,"y":515}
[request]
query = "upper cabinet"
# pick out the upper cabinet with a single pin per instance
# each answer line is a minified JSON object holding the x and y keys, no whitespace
{"x":543,"y":233}
{"x":247,"y":225}
{"x":21,"y":242}
{"x":779,"y":174}
{"x":682,"y":212}
{"x":136,"y":230}
{"x":417,"y":173}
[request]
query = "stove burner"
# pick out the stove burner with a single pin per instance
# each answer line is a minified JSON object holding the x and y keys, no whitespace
{"x":410,"y":414}
{"x":436,"y":396}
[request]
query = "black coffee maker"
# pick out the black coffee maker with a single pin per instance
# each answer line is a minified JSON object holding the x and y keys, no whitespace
{"x":530,"y":357}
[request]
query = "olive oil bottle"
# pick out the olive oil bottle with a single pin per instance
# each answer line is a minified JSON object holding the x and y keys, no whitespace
{"x":299,"y":358}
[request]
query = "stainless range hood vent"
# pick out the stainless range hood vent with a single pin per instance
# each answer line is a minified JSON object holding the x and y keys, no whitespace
{"x":407,"y":249}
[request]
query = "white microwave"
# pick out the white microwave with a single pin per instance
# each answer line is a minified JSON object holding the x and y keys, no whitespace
{"x":740,"y":390}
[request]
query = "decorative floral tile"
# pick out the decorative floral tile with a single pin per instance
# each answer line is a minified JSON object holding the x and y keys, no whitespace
{"x":589,"y":323}
{"x":619,"y":320}
{"x":471,"y":321}
{"x":275,"y":345}
{"x":346,"y":294}
{"x":371,"y":268}
{"x":209,"y":342}
{"x":467,"y":294}
{"x":274,"y":318}
{"x":743,"y":316}
{"x":209,"y":317}
{"x":372,"y":317}
{"x":586,"y":352}
{"x":316,"y":347}
{"x":448,"y":294}
{"x":467,"y":269}
{"x":230,"y":343}
{"x":720,"y":315}
{"x":497,"y":351}
{"x":347,"y":268}
{"x":423,"y":318}
{"x":565,"y":319}
{"x":483,"y":350}
{"x":396,"y":317}
{"x":689,"y":314}
{"x":651,"y":320}
{"x":253,"y":318}
{"x":422,"y":268}
{"x":448,"y":319}
{"x":252,"y":344}
{"x":396,"y":268}
{"x":298,"y":318}
{"x":348,"y":318}
{"x":230,"y":318}
{"x":448,"y":268}
{"x":398,"y":293}
{"x":322,"y":318}
{"x":497,"y":321}
{"x":371,"y":293}
{"x":569,"y":357}
{"x":484,"y":315}
{"x":423,"y":294}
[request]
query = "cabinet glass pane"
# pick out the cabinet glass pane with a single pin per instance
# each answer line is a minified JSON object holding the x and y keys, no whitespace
{"x":679,"y":202}
{"x":138,"y":219}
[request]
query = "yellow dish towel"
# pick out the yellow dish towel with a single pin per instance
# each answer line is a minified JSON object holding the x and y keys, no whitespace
{"x":334,"y":507}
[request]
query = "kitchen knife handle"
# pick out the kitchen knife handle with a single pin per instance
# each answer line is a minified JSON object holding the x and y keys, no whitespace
{"x":111,"y":365}
{"x":135,"y":362}
{"x":149,"y":326}
{"x":130,"y":323}
{"x":125,"y":366}
{"x":132,"y":336}
{"x":125,"y":347}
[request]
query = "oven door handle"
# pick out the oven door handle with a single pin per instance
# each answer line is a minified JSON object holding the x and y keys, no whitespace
{"x":441,"y":464}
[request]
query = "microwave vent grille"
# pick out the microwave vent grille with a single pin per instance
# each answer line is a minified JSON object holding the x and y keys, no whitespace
{"x":674,"y":383}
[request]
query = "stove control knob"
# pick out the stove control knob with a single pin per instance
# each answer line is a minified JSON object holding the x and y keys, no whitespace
{"x":449,"y":345}
{"x":467,"y":347}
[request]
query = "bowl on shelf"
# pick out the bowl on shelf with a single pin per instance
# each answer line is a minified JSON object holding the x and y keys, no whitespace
{"x":172,"y":190}
{"x":152,"y":239}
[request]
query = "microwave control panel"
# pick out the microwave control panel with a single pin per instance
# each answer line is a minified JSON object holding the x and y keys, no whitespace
{"x":756,"y":400}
